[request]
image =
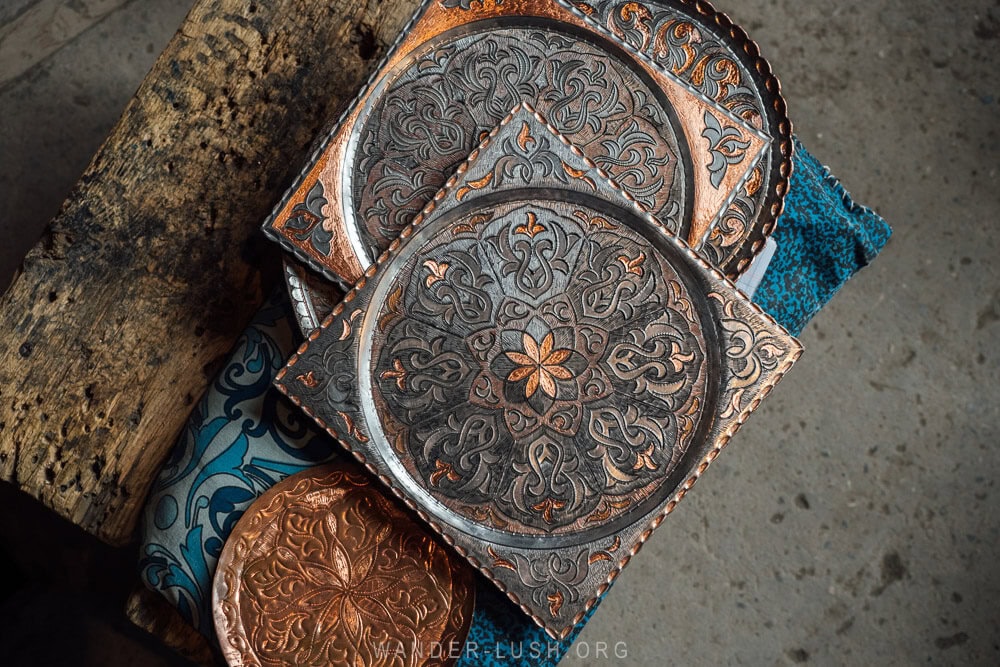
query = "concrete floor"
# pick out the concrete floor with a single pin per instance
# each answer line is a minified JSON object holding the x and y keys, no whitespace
{"x":852,"y":521}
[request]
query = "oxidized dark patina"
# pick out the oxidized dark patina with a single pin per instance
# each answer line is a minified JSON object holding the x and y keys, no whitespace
{"x":539,"y":368}
{"x":668,"y":97}
{"x":541,"y":365}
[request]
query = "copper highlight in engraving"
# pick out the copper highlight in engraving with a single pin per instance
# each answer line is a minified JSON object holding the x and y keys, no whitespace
{"x":324,"y":570}
{"x":669,"y":99}
{"x":542,"y":370}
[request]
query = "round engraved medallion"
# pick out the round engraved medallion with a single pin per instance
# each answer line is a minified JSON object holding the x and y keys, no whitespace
{"x":439,"y":103}
{"x":539,"y":368}
{"x":667,"y":96}
{"x":324,"y":570}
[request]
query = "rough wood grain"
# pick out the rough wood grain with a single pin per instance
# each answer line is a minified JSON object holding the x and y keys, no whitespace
{"x":155,"y":264}
{"x":151,"y":612}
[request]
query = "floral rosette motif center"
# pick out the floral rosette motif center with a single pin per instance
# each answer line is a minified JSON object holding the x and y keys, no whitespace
{"x":331,"y":584}
{"x":540,"y":368}
{"x":540,"y":364}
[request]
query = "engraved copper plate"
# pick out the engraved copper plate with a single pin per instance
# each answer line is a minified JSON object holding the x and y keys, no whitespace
{"x":539,"y":368}
{"x":325,"y":570}
{"x":667,"y":96}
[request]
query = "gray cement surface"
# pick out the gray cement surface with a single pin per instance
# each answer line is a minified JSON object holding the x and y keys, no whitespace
{"x":852,"y":520}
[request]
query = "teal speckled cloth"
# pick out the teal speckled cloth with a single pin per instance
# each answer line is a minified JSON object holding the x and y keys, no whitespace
{"x":243,"y":437}
{"x":823,"y":239}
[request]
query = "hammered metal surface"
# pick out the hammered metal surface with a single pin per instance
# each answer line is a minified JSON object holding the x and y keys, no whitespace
{"x":667,"y":96}
{"x":539,"y":368}
{"x":324,"y":570}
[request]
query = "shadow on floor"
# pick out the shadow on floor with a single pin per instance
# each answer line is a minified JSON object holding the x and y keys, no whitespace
{"x":63,"y":592}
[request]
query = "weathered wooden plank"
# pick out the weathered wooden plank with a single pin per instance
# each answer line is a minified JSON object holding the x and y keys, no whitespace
{"x":53,"y":119}
{"x":155,"y":264}
{"x":151,"y":612}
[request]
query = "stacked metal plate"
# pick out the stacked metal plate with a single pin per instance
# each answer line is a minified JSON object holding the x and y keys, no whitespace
{"x":514,"y":261}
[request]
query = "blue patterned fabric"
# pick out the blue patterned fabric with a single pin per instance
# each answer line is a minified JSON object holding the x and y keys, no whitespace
{"x":823,"y":239}
{"x":243,"y":437}
{"x":502,"y":635}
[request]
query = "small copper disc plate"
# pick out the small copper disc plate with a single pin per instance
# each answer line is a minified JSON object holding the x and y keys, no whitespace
{"x":325,"y":570}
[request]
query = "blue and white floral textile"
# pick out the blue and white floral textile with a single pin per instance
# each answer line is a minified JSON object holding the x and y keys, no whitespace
{"x":241,"y":439}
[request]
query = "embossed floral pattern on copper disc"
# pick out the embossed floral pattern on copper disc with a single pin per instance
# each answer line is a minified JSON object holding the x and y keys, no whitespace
{"x":325,"y":570}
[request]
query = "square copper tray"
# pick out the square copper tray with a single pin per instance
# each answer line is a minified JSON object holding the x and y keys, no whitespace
{"x":539,"y":368}
{"x":669,"y":97}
